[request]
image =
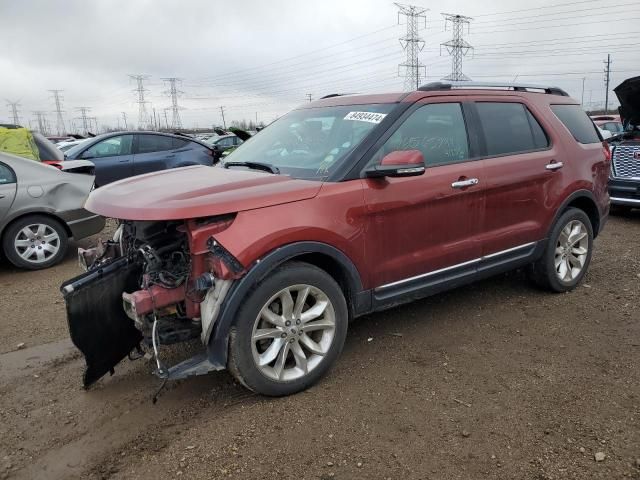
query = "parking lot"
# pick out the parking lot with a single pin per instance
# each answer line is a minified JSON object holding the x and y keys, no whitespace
{"x":495,"y":380}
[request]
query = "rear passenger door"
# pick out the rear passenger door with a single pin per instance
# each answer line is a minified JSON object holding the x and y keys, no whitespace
{"x":522,"y":167}
{"x":7,"y":189}
{"x":152,"y":153}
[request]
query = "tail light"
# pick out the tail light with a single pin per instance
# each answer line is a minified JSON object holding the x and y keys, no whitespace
{"x":607,"y":151}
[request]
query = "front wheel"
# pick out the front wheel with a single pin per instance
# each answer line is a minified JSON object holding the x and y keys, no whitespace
{"x":567,"y":255}
{"x":289,"y":331}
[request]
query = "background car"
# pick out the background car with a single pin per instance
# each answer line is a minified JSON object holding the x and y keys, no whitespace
{"x":40,"y":209}
{"x":125,"y":154}
{"x":68,"y":145}
{"x":611,"y":123}
{"x":222,"y":143}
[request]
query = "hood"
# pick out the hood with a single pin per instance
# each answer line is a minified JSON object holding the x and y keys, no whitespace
{"x":241,"y":134}
{"x":197,"y":191}
{"x":628,"y":93}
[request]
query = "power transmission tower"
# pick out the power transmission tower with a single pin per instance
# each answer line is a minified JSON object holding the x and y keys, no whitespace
{"x":166,"y":119}
{"x":607,"y":78}
{"x":144,"y":120}
{"x":60,"y":127}
{"x":412,"y":43}
{"x":173,"y":91}
{"x":457,"y":47}
{"x":42,"y":121}
{"x":86,"y":126}
{"x":224,"y":124}
{"x":124,"y":117}
{"x":14,"y":111}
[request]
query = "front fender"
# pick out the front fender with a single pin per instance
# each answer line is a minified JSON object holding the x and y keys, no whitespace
{"x":217,"y":347}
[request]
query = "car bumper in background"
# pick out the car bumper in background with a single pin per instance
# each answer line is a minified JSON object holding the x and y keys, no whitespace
{"x":624,"y":192}
{"x":83,"y":223}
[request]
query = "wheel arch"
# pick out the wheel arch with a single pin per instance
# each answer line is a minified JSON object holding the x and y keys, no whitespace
{"x":321,"y":255}
{"x":585,"y":201}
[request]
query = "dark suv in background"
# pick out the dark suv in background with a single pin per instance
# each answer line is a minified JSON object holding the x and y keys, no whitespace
{"x":345,"y":206}
{"x":624,"y":184}
{"x":125,"y":154}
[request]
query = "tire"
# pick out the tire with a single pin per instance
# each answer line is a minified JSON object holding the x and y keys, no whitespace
{"x":548,"y":272}
{"x":44,"y":236}
{"x":279,"y":340}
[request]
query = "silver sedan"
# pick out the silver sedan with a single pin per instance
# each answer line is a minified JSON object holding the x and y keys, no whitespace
{"x":41,"y":207}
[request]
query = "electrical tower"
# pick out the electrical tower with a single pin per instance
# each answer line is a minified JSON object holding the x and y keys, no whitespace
{"x":14,"y":111}
{"x":124,"y":117}
{"x":224,"y":124}
{"x":412,"y":44}
{"x":60,"y":127}
{"x":144,"y":121}
{"x":309,"y":97}
{"x":86,"y":126}
{"x":607,"y":79}
{"x":457,"y":47}
{"x":174,"y":93}
{"x":42,"y":121}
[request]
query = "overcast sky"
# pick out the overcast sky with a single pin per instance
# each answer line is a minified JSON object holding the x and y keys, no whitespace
{"x":261,"y":58}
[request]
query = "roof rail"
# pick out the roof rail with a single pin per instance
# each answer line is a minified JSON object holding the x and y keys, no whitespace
{"x":518,"y":87}
{"x":331,"y":95}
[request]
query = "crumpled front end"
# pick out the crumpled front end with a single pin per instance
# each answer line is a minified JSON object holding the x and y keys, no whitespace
{"x":153,"y":284}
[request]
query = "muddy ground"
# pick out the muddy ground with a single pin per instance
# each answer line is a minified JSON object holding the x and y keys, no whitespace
{"x":497,"y":380}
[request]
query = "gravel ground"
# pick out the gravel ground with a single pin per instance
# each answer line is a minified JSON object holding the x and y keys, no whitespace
{"x":497,"y":380}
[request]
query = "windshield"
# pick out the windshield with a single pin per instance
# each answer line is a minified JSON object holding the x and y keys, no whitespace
{"x":311,"y":143}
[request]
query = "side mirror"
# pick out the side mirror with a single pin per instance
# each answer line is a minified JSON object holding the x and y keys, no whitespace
{"x":401,"y":163}
{"x":86,"y":155}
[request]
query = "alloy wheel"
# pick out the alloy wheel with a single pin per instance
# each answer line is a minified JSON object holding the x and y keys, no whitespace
{"x":571,"y":251}
{"x":293,"y":332}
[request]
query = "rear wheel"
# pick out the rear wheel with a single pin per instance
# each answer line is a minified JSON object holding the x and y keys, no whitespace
{"x":35,"y":242}
{"x":289,"y":331}
{"x":568,"y":253}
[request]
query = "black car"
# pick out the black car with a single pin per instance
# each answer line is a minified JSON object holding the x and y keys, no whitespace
{"x":125,"y":154}
{"x":624,"y":184}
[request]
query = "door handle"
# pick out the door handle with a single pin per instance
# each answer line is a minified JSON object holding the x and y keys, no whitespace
{"x":123,"y":161}
{"x":1,"y":196}
{"x":554,"y":166}
{"x":470,"y":182}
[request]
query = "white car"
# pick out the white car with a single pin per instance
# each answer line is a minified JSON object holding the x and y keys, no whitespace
{"x":64,"y":146}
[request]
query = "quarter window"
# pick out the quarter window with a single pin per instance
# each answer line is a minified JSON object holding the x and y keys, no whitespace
{"x":113,"y":146}
{"x":509,"y":128}
{"x":577,"y":122}
{"x":438,"y":130}
{"x":6,"y":175}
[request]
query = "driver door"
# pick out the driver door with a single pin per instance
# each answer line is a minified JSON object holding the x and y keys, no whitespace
{"x":424,"y":230}
{"x":112,"y":157}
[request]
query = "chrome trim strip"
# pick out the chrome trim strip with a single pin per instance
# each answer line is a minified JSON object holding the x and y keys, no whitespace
{"x":83,"y":219}
{"x":625,"y":201}
{"x":463,"y":264}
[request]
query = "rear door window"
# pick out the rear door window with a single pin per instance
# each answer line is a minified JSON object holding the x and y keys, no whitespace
{"x":6,"y":175}
{"x":509,"y":128}
{"x":154,"y":143}
{"x":577,"y":122}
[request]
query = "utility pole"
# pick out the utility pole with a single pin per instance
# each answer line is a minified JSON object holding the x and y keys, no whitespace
{"x":143,"y":116}
{"x":155,"y":119}
{"x":174,"y":93}
{"x":42,"y":121}
{"x":14,"y":111}
{"x":309,"y":97}
{"x":412,"y":44}
{"x":224,"y":124}
{"x":457,"y":47}
{"x":60,"y":127}
{"x":582,"y":97}
{"x":607,"y":78}
{"x":85,"y":119}
{"x":124,"y":117}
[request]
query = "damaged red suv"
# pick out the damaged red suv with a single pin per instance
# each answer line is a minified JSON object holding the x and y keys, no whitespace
{"x":343,"y":207}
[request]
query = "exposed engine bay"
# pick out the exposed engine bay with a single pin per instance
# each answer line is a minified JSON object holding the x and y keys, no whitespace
{"x":145,"y":288}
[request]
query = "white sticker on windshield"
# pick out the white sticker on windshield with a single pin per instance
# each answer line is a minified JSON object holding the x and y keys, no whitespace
{"x":370,"y":117}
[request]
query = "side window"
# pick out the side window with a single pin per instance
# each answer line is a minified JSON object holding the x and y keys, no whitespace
{"x":6,"y":175}
{"x":179,"y":143}
{"x":154,"y":143}
{"x":577,"y":122}
{"x":226,"y":142}
{"x":110,"y":147}
{"x":510,"y":128}
{"x":438,"y":130}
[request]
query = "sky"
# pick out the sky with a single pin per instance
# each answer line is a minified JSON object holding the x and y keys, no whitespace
{"x":260,"y":59}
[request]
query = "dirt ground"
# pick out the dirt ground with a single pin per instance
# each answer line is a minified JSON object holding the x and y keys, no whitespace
{"x":497,"y":380}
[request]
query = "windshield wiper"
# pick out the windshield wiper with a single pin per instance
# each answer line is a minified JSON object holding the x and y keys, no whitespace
{"x":254,"y":165}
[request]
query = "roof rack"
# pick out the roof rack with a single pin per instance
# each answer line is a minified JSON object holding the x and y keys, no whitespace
{"x":518,"y":87}
{"x":331,"y":95}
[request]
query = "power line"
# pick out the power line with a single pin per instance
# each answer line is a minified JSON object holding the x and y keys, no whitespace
{"x":14,"y":111}
{"x":173,"y":91}
{"x":60,"y":127}
{"x":412,"y":43}
{"x":144,"y":121}
{"x":457,"y":47}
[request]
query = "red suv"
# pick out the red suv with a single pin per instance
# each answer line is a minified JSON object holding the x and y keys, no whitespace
{"x":343,"y":207}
